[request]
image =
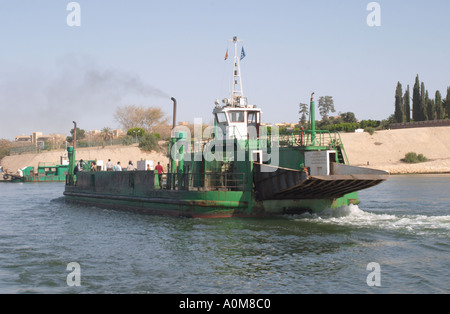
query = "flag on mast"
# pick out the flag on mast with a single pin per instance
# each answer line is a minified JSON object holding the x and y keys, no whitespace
{"x":226,"y":56}
{"x":242,"y":53}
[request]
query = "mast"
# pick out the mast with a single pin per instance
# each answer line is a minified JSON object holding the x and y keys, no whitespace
{"x":238,"y":91}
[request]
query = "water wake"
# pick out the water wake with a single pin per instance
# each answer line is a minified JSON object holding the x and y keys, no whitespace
{"x":353,"y":216}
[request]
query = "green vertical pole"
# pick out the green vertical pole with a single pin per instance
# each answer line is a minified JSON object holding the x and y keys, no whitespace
{"x":173,"y":159}
{"x":70,"y":178}
{"x":181,"y":161}
{"x":173,"y":163}
{"x":71,"y":155}
{"x":312,"y":111}
{"x":181,"y":137}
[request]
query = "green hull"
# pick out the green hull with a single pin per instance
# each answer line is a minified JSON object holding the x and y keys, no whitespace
{"x":34,"y":179}
{"x":139,"y":191}
{"x":180,"y":204}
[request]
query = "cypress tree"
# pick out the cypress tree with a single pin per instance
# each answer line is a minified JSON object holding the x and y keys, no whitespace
{"x":399,"y":112}
{"x":416,"y":100}
{"x":407,"y":105}
{"x":423,"y":103}
{"x":447,"y":102}
{"x":431,"y":107}
{"x":439,"y":108}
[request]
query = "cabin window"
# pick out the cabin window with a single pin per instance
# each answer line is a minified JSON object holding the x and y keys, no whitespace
{"x":252,"y":118}
{"x":236,"y":116}
{"x":221,"y":117}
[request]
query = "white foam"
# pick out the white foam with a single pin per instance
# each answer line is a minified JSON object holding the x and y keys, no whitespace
{"x":353,"y":216}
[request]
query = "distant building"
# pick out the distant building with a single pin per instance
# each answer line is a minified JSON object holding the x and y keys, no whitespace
{"x":23,"y":138}
{"x":38,"y":138}
{"x":117,"y":133}
{"x":94,"y":132}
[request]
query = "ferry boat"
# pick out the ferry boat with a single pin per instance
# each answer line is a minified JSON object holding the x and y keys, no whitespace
{"x":240,"y":170}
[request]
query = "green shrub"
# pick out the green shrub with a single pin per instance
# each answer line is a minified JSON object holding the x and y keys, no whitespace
{"x":413,"y":158}
{"x":128,"y":140}
{"x":369,"y":130}
{"x":421,"y":158}
{"x":149,"y":142}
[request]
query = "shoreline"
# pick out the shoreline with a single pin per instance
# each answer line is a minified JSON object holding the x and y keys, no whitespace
{"x":429,"y":167}
{"x":115,"y":153}
{"x":383,"y":150}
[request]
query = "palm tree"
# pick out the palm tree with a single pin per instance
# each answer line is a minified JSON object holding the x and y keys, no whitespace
{"x":107,"y":134}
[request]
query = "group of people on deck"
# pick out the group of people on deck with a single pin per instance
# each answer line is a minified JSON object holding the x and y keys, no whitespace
{"x":118,"y":167}
{"x":110,"y":167}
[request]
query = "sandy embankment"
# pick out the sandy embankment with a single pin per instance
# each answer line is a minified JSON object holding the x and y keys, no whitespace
{"x":385,"y":149}
{"x":115,"y":153}
{"x":382,"y":150}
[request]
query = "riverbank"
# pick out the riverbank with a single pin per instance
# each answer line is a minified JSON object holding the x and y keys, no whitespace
{"x":383,"y":150}
{"x":115,"y":153}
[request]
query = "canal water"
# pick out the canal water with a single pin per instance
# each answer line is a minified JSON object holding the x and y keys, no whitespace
{"x":395,"y":241}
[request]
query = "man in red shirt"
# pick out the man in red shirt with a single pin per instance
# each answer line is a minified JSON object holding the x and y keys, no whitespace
{"x":160,"y":173}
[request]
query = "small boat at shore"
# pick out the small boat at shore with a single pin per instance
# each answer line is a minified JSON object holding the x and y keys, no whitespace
{"x":45,"y":172}
{"x":237,"y":169}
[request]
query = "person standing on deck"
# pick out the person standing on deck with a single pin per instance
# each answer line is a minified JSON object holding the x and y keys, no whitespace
{"x":160,"y":173}
{"x":109,"y":165}
{"x":130,"y":166}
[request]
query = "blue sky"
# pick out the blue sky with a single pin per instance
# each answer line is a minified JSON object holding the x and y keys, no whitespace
{"x":144,"y":52}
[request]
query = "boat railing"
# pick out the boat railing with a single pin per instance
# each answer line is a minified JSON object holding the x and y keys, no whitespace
{"x":209,"y":181}
{"x":308,"y":138}
{"x":43,"y":164}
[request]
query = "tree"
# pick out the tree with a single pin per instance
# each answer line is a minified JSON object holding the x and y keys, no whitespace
{"x":399,"y":111}
{"x":439,"y":108}
{"x":139,"y":132}
{"x":447,"y":102}
{"x":386,"y":123}
{"x":81,"y":134}
{"x":423,"y":103}
{"x":431,"y":108}
{"x":304,"y":111}
{"x":326,"y":105}
{"x":149,"y":142}
{"x":407,"y":105}
{"x":416,"y":100}
{"x":107,"y":133}
{"x":133,"y":116}
{"x":349,"y":117}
